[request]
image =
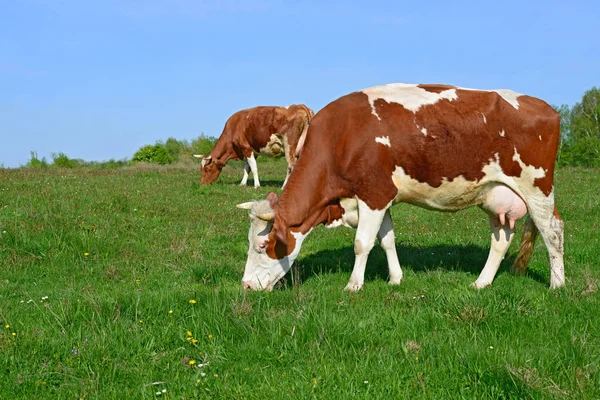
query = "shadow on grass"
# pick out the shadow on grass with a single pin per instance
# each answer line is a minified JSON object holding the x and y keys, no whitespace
{"x":470,"y":259}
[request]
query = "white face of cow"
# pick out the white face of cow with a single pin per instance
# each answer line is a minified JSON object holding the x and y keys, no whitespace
{"x":262,"y":272}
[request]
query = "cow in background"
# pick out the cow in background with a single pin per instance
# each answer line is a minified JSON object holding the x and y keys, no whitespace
{"x":439,"y":147}
{"x":267,"y":130}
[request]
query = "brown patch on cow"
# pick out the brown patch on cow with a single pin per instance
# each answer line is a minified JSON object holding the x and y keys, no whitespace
{"x":556,"y":214}
{"x":433,"y":88}
{"x":250,"y":130}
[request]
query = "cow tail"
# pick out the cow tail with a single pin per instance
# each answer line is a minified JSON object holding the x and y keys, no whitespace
{"x":530,"y":232}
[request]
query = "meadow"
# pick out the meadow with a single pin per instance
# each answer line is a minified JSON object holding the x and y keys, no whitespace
{"x":126,"y":283}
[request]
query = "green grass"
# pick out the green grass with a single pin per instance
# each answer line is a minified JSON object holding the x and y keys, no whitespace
{"x":94,"y":261}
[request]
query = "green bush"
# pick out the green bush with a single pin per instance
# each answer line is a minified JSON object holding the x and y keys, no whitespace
{"x":157,"y":154}
{"x":202,"y":145}
{"x":583,"y":152}
{"x":61,"y":160}
{"x":175,"y":147}
{"x":35,"y":162}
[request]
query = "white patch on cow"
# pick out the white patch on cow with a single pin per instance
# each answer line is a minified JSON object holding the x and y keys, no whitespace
{"x":424,"y":131}
{"x":350,"y":217}
{"x":408,"y":96}
{"x":385,"y":140}
{"x":275,"y":147}
{"x":502,"y":133}
{"x":484,"y":118}
{"x":528,"y":170}
{"x":247,"y":116}
{"x":510,"y":96}
{"x":540,"y":136}
{"x":459,"y":193}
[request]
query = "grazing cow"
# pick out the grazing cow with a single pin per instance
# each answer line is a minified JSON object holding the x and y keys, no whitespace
{"x":269,"y":131}
{"x":435,"y":146}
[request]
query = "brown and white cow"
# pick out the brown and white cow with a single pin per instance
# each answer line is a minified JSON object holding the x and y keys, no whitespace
{"x":435,"y":146}
{"x":266,"y":130}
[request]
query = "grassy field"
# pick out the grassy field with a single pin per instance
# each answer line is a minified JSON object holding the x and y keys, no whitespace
{"x":127,"y":283}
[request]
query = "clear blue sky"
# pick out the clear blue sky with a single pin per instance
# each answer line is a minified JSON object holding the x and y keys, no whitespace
{"x":98,"y":79}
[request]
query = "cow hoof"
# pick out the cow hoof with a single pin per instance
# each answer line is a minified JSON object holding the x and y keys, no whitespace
{"x":396,"y":281}
{"x":480,"y":285}
{"x":353,"y":287}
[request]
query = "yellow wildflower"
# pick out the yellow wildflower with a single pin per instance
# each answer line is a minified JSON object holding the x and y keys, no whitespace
{"x":210,"y":336}
{"x":14,"y":333}
{"x":192,"y":301}
{"x":189,"y":333}
{"x":170,"y":311}
{"x":86,"y":254}
{"x":194,"y":340}
{"x":7,"y":326}
{"x":192,"y":362}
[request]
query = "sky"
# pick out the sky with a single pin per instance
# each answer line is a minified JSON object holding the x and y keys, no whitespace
{"x":96,"y":80}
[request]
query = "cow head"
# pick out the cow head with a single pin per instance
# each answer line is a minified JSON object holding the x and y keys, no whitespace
{"x":211,"y":169}
{"x":272,"y":249}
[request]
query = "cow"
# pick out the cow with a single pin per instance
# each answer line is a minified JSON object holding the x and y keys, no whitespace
{"x":267,"y":130}
{"x":439,"y":147}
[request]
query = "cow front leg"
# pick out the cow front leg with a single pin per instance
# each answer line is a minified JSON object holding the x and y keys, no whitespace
{"x":388,"y":244}
{"x":246,"y":171}
{"x":369,"y":223}
{"x":501,"y":237}
{"x":252,"y":163}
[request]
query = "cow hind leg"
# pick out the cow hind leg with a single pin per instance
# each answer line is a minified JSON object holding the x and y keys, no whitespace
{"x":502,"y":235}
{"x":551,"y":227}
{"x":388,"y":244}
{"x":246,"y":171}
{"x":369,"y":223}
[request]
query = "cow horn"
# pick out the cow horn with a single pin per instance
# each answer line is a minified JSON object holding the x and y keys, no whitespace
{"x":202,"y":156}
{"x":246,"y":206}
{"x":268,"y":217}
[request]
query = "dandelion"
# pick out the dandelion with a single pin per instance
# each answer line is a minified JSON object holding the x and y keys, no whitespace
{"x":141,"y":321}
{"x":192,"y":301}
{"x":210,"y":336}
{"x":192,"y":362}
{"x":86,"y":254}
{"x":194,"y":340}
{"x":417,"y":358}
{"x":14,"y":333}
{"x":189,"y":333}
{"x":170,"y":311}
{"x":314,"y":381}
{"x":137,"y":281}
{"x":7,"y":326}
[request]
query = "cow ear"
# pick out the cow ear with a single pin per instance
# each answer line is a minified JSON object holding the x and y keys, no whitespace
{"x":272,"y":199}
{"x":246,"y":206}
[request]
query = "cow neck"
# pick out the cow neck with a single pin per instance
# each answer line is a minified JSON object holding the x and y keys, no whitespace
{"x":222,"y":151}
{"x":305,"y":201}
